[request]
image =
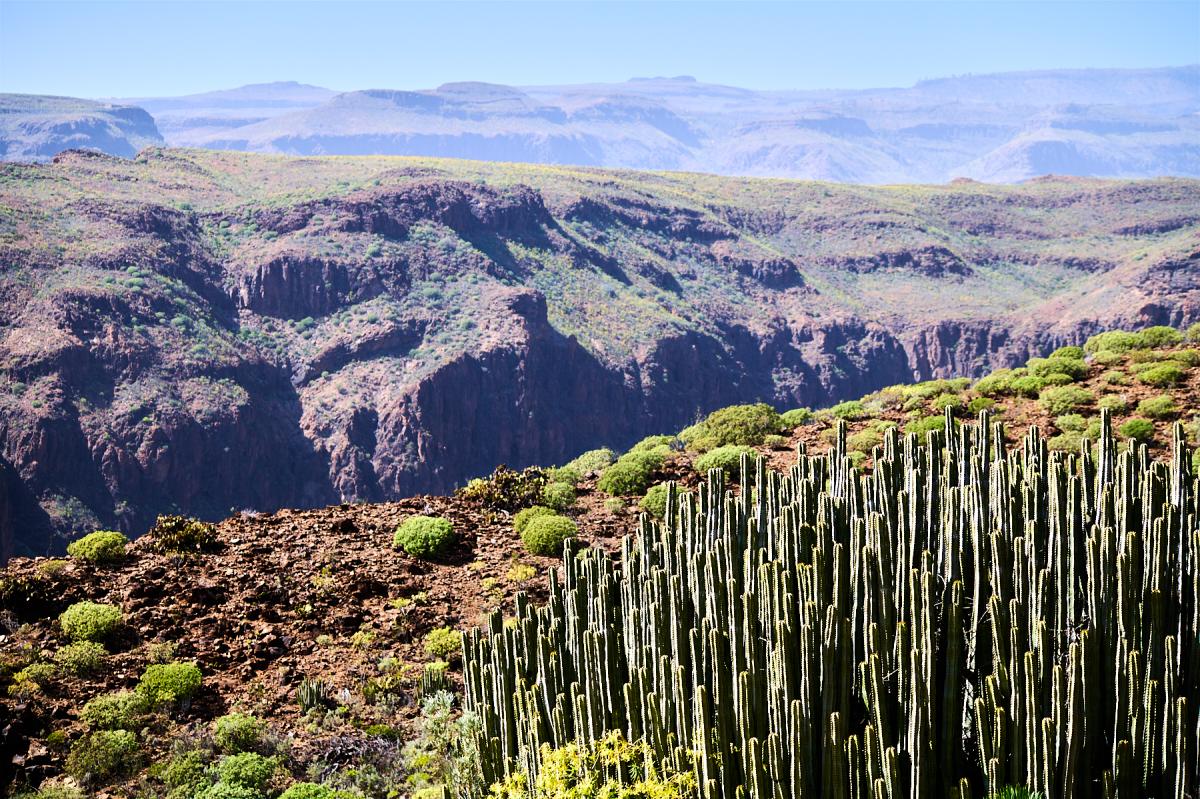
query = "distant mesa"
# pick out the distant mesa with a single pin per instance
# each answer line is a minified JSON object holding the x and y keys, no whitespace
{"x":998,"y":128}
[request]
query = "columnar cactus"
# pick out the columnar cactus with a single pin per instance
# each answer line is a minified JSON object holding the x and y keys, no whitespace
{"x":961,"y":619}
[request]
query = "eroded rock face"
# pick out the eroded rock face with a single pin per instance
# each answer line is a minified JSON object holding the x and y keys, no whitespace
{"x":418,"y":327}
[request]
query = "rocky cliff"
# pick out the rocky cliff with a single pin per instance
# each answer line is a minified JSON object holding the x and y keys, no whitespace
{"x":202,"y":331}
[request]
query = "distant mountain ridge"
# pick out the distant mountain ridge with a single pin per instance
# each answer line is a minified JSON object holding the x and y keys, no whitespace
{"x":1007,"y":127}
{"x":996,"y":128}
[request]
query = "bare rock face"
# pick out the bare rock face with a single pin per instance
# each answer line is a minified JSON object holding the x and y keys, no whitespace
{"x":348,"y":330}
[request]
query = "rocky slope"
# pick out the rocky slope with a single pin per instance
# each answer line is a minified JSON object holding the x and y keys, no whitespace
{"x":36,"y":128}
{"x":322,"y":593}
{"x":203,"y":331}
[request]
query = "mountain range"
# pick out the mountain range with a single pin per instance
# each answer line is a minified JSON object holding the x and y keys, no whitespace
{"x":997,"y":128}
{"x":198,"y":331}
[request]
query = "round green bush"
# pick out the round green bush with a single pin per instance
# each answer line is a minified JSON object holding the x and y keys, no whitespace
{"x":247,"y":769}
{"x":100,"y":756}
{"x":1160,"y":407}
{"x":978,"y":404}
{"x":864,"y":441}
{"x":545,"y":535}
{"x":170,"y":682}
{"x":524,"y":516}
{"x":796,"y":417}
{"x":1167,"y":374}
{"x":1062,"y":399}
{"x":1045,"y":367}
{"x":1137,"y":429}
{"x":737,"y":424}
{"x":1159,"y":336}
{"x":90,"y":621}
{"x":81,"y":658}
{"x":238,"y":732}
{"x":630,"y":474}
{"x":558,"y":496}
{"x":120,"y":710}
{"x":925,"y":425}
{"x":1112,"y":402}
{"x":655,"y":501}
{"x":1073,"y":353}
{"x":1113,"y":341}
{"x":424,"y":536}
{"x":728,"y":459}
{"x":594,"y":460}
{"x":1027,"y":386}
{"x":101,"y":547}
{"x":1071,"y":423}
{"x":443,"y":643}
{"x":564,"y":474}
{"x":996,"y":384}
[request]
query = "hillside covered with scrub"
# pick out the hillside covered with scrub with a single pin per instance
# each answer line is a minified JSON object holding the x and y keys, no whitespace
{"x":275,"y":332}
{"x":939,"y":589}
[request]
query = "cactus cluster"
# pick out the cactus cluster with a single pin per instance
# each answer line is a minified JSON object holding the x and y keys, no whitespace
{"x":963,"y":618}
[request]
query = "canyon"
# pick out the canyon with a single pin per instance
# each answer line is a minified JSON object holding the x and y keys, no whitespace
{"x":205,"y":332}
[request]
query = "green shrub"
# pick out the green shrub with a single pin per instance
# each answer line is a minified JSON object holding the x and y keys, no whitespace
{"x":99,"y":756}
{"x":775,"y":441}
{"x":998,"y":383}
{"x":1107,"y":358}
{"x":1186,"y":358}
{"x":424,"y":536}
{"x":238,"y":732}
{"x":170,"y":682}
{"x":1061,"y":399}
{"x":1070,"y":441}
{"x":1161,"y":407}
{"x":443,"y":643}
{"x":630,"y":474}
{"x":564,"y":474}
{"x":978,"y":404}
{"x":614,"y":505}
{"x":727,"y":458}
{"x":594,"y":460}
{"x":1193,"y":333}
{"x":81,"y":658}
{"x":247,"y":769}
{"x":183,"y":535}
{"x":32,"y":679}
{"x":1018,"y":792}
{"x":1115,"y":377}
{"x":1137,"y":429}
{"x":558,"y":496}
{"x":544,"y":535}
{"x":864,"y":441}
{"x":926,"y":424}
{"x":1071,"y":422}
{"x":737,"y":424}
{"x":227,"y":790}
{"x":654,"y":443}
{"x":185,"y":771}
{"x":1071,"y":352}
{"x":524,"y":516}
{"x":849,"y":410}
{"x":120,"y":710}
{"x":943,"y":401}
{"x":796,"y":417}
{"x":1045,"y":367}
{"x":655,"y":501}
{"x":1160,"y":336}
{"x":1112,"y":402}
{"x":1113,"y":341}
{"x":1163,"y":375}
{"x":90,"y":621}
{"x":1027,"y":386}
{"x":101,"y":547}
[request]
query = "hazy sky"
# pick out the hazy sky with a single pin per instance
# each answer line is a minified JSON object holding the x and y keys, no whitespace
{"x":105,"y":49}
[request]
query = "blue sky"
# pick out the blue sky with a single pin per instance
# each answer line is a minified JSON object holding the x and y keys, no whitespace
{"x":104,"y":49}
